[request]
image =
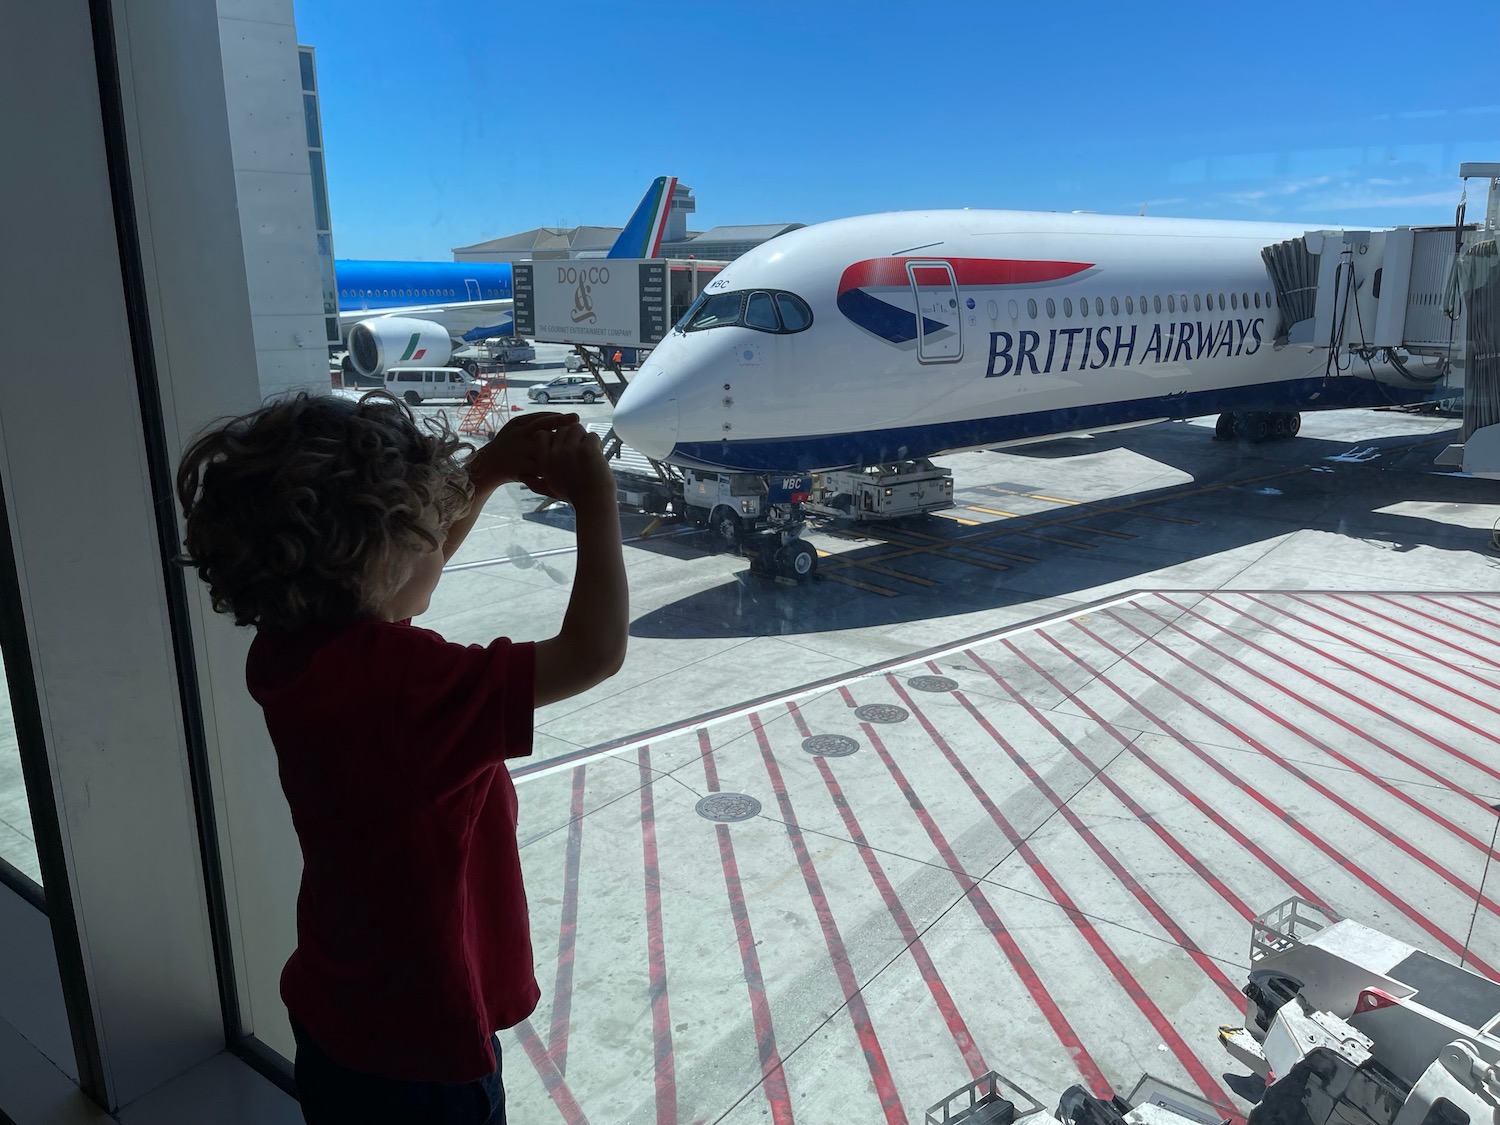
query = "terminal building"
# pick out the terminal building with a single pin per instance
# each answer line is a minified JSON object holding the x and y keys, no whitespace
{"x":717,"y":244}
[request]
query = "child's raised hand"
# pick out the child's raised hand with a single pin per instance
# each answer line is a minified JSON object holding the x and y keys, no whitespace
{"x":513,"y":454}
{"x":571,"y":467}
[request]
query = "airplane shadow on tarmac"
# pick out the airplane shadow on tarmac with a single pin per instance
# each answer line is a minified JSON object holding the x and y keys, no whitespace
{"x":930,"y":567}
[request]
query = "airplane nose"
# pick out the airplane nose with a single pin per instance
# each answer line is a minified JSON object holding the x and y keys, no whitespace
{"x":646,"y":418}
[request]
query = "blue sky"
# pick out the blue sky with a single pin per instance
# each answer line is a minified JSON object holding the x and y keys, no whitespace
{"x":450,"y":122}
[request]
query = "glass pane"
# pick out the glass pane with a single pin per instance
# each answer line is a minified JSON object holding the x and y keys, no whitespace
{"x":310,"y":115}
{"x":719,"y":311}
{"x":795,"y":315}
{"x":320,"y":191}
{"x":761,"y":313}
{"x":305,"y":64}
{"x":638,"y":896}
{"x":17,"y":841}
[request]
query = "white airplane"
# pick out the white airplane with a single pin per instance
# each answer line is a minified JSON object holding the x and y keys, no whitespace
{"x":887,"y":338}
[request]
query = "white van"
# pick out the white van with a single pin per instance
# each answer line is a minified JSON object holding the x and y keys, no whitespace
{"x":421,"y":384}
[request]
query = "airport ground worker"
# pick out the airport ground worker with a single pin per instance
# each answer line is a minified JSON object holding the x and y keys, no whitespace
{"x":325,"y":523}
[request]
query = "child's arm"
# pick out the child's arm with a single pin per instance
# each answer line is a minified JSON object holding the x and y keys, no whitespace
{"x":590,"y":646}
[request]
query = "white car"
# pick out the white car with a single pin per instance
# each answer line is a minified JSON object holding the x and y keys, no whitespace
{"x":567,"y":388}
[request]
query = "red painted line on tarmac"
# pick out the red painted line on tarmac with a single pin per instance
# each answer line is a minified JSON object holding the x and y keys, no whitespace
{"x":1353,"y":697}
{"x":1376,"y":885}
{"x":1445,"y":624}
{"x":1486,"y":605}
{"x":880,"y":1072}
{"x":1364,"y":818}
{"x":930,"y":975}
{"x":1170,"y":778}
{"x":552,"y":1079}
{"x":772,"y":1068}
{"x":1344,"y":638}
{"x":1093,"y":1077}
{"x":656,"y":950}
{"x":1485,"y":621}
{"x":562,"y":989}
{"x":1462,"y":790}
{"x":1210,"y":967}
{"x":1085,"y":926}
{"x":1423,"y":633}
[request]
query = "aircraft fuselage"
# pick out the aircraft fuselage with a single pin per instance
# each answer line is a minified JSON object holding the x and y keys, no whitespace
{"x":937,"y":331}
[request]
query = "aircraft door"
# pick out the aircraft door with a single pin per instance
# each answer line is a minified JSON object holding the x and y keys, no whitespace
{"x":939,"y":325}
{"x":473,"y":287}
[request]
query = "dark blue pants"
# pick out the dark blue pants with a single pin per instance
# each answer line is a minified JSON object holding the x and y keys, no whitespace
{"x":334,"y":1095}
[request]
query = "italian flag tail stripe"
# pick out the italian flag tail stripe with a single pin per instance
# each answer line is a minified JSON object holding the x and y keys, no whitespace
{"x":411,"y":346}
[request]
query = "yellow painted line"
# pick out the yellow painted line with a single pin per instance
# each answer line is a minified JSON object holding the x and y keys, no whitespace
{"x":1065,"y":523}
{"x":1003,"y":554}
{"x":970,"y":562}
{"x":1056,"y":539}
{"x":1053,"y":499}
{"x":956,"y":519}
{"x":1140,"y":510}
{"x":1101,"y":530}
{"x":884,"y":571}
{"x":881,"y":590}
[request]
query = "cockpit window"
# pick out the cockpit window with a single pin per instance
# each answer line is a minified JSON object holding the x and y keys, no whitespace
{"x":760,"y":313}
{"x":763,"y":310}
{"x":795,"y":315}
{"x":718,"y":312}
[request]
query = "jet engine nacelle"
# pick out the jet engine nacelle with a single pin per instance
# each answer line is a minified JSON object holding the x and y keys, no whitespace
{"x":380,"y":343}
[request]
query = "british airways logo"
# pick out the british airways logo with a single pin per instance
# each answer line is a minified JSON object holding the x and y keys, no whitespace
{"x":864,"y":287}
{"x":1026,"y":352}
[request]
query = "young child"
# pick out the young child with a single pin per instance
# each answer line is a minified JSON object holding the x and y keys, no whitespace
{"x":325,"y":523}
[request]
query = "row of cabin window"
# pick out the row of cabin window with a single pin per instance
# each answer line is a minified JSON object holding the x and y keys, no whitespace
{"x":406,"y":293}
{"x":1232,"y":302}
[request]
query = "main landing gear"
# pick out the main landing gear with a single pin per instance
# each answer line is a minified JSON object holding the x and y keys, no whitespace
{"x":1257,"y":425}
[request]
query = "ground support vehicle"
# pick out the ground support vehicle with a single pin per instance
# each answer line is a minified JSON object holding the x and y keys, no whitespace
{"x":905,"y":488}
{"x":763,"y":516}
{"x":497,"y":351}
{"x":1347,"y":1024}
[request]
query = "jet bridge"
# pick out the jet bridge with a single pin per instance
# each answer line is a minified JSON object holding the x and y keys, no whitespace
{"x":1423,"y":300}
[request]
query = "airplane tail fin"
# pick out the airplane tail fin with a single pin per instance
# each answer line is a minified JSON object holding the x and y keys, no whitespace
{"x":641,"y":237}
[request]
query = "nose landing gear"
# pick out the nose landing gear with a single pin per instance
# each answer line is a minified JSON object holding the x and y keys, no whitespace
{"x":1257,"y":425}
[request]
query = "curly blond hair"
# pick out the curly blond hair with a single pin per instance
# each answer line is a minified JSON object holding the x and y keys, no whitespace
{"x":314,"y":508}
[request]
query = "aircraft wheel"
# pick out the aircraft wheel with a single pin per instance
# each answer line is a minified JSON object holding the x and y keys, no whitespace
{"x":1293,"y":424}
{"x":1279,"y":426}
{"x":726,"y":527}
{"x":412,"y":398}
{"x":1224,"y":428}
{"x":541,"y":397}
{"x":589,"y":397}
{"x":1260,"y":427}
{"x":798,"y":560}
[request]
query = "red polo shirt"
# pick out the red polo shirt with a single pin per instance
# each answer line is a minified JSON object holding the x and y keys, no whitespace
{"x":412,"y":940}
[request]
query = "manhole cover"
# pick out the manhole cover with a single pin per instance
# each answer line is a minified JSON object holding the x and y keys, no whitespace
{"x":881,"y":713}
{"x":728,"y":807}
{"x":932,"y":683}
{"x":830,"y":745}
